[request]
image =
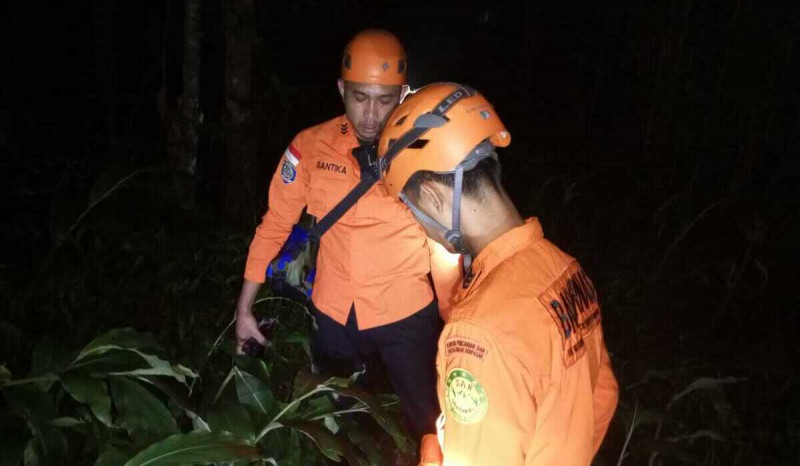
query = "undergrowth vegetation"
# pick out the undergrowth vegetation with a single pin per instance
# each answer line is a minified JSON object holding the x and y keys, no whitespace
{"x":116,"y":343}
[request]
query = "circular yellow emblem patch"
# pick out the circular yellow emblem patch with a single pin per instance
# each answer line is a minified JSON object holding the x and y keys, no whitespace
{"x":465,"y":397}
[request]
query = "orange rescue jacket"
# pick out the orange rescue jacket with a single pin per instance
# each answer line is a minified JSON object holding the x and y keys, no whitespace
{"x":524,"y":375}
{"x":375,"y":256}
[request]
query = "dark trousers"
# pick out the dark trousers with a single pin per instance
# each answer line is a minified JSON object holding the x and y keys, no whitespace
{"x":407,"y":349}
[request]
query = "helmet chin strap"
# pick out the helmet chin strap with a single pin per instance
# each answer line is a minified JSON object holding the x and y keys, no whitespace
{"x":453,"y":235}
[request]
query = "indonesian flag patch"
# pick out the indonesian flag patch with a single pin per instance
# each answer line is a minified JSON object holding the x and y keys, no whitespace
{"x":291,"y":159}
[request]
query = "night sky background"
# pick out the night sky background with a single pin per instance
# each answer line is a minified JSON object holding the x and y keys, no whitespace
{"x":656,"y":141}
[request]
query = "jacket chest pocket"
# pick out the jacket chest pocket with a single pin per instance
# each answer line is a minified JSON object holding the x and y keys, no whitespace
{"x":325,"y":192}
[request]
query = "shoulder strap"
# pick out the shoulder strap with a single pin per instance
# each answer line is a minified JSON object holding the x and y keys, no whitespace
{"x":366,"y":156}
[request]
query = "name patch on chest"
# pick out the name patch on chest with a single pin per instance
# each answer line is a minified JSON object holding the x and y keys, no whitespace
{"x":331,"y":167}
{"x":572,"y":303}
{"x":454,"y":346}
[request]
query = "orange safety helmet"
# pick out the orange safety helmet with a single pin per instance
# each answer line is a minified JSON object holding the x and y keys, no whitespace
{"x":443,"y":128}
{"x":374,"y":56}
{"x":437,"y":127}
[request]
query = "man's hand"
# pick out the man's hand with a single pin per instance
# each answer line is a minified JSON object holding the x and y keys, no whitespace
{"x":246,"y":324}
{"x":429,"y":451}
{"x":246,"y":328}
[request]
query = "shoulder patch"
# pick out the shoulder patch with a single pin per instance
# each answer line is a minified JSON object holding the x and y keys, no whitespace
{"x":457,"y":345}
{"x":288,"y":172}
{"x":572,"y":303}
{"x":465,"y":397}
{"x":291,"y":159}
{"x":292,"y":155}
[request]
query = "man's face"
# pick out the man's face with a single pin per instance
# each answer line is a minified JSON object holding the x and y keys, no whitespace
{"x":368,"y":106}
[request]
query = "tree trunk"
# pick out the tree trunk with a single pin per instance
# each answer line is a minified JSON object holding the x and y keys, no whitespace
{"x":240,"y":137}
{"x":181,"y":121}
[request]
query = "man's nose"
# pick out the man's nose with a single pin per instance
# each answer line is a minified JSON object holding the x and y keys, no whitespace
{"x":371,"y":109}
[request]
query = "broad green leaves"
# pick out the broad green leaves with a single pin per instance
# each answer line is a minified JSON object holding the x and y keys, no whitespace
{"x":112,"y":457}
{"x":91,"y":391}
{"x":234,"y":419}
{"x":306,"y":381}
{"x":196,"y":448}
{"x":113,"y":393}
{"x":253,"y":393}
{"x":139,"y":410}
{"x":141,"y":344}
{"x":331,"y":446}
{"x":48,"y":445}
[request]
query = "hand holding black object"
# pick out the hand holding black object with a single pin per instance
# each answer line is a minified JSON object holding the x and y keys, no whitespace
{"x":252,"y":347}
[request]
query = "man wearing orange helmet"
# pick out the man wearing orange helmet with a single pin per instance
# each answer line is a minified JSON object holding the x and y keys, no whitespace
{"x":524,"y":374}
{"x":371,"y":292}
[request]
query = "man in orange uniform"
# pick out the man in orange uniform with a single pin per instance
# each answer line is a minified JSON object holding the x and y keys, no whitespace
{"x":524,"y":374}
{"x":372,"y":291}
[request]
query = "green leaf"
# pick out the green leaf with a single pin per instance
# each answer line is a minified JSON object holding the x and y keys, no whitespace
{"x":33,"y":453}
{"x":127,"y":339}
{"x":139,"y":410}
{"x":5,"y":375}
{"x":196,"y":448}
{"x":33,"y":404}
{"x":331,"y":424}
{"x":379,"y":414}
{"x":198,"y":423}
{"x":88,"y":390}
{"x":111,"y":362}
{"x":327,"y":443}
{"x":234,"y":419}
{"x":182,"y":402}
{"x":123,"y":338}
{"x":254,"y":366}
{"x":331,"y":446}
{"x":306,"y":381}
{"x":253,"y":392}
{"x":292,"y":337}
{"x":67,"y":422}
{"x":318,"y":406}
{"x":159,"y":366}
{"x":365,"y":444}
{"x":112,"y":457}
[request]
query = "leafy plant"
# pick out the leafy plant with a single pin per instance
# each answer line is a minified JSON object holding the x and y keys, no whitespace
{"x":117,"y":401}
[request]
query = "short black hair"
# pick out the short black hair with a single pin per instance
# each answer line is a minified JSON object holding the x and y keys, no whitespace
{"x":477,"y":182}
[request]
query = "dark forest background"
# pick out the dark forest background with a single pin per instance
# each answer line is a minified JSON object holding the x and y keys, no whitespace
{"x":656,"y":141}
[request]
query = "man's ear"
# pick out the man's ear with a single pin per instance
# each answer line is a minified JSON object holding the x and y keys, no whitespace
{"x":340,"y":84}
{"x":432,"y":197}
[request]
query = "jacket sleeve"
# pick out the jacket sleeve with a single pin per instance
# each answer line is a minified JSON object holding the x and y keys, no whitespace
{"x":447,"y":274}
{"x":484,"y":399}
{"x":287,"y":198}
{"x":606,"y":394}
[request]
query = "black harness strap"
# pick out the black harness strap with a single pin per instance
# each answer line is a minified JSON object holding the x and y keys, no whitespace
{"x":367,"y":158}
